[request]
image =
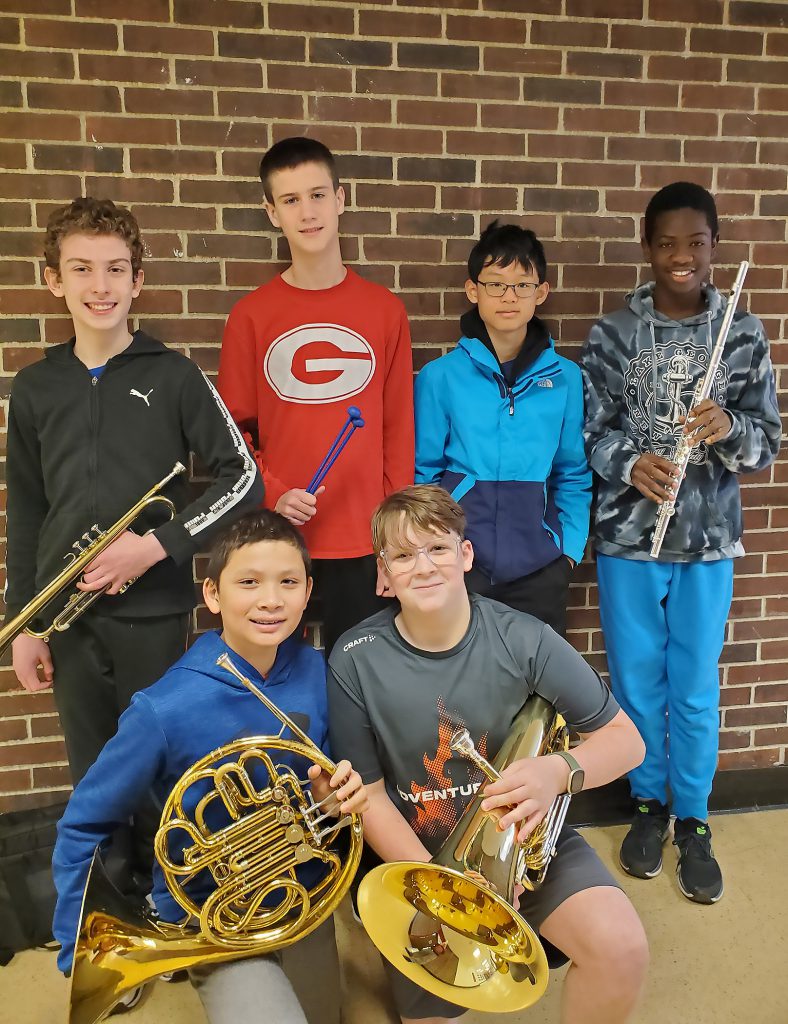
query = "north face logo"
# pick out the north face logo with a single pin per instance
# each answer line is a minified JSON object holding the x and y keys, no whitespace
{"x":546,"y":383}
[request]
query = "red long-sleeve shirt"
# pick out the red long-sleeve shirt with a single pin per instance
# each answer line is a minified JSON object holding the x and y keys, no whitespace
{"x":292,"y":362}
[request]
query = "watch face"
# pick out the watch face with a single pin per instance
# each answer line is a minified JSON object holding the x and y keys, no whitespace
{"x":576,"y":780}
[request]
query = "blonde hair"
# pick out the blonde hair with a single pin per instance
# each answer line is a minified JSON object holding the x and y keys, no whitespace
{"x":425,"y":507}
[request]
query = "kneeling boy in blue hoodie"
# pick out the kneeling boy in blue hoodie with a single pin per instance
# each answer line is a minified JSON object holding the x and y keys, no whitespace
{"x":259,"y":581}
{"x":499,"y":424}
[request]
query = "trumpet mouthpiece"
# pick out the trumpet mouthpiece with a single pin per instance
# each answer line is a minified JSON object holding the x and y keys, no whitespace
{"x":461,"y":743}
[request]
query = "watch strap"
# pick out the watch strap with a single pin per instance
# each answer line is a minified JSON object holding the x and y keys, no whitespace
{"x":571,"y":761}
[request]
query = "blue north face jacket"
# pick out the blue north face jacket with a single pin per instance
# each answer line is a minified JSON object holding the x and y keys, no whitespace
{"x":511,"y":454}
{"x":640,"y":370}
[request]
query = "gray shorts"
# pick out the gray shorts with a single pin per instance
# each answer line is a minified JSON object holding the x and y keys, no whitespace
{"x":576,"y":868}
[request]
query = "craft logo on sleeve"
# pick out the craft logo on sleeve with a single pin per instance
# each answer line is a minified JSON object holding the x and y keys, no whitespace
{"x":319,"y":363}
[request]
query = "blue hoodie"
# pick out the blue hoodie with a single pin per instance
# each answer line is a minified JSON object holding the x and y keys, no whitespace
{"x":510,"y":452}
{"x":193,"y":709}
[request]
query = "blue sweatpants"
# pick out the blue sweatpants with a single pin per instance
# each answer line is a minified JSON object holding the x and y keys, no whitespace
{"x":664,"y":626}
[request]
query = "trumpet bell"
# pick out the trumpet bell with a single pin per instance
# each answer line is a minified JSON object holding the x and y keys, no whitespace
{"x":453,"y":936}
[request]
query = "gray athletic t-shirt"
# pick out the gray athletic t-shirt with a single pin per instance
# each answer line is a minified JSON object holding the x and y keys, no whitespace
{"x":393,"y":708}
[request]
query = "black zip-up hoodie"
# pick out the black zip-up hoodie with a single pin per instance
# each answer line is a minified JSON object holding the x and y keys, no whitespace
{"x":84,"y":449}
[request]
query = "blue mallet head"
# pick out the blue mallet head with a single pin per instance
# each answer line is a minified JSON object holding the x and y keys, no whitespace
{"x":358,"y":422}
{"x":354,"y":412}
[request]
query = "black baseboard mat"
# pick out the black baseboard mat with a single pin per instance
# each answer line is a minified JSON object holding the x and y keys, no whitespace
{"x":735,"y":790}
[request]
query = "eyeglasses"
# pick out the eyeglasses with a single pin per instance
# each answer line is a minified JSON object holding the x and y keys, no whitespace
{"x":439,"y":552}
{"x":497,"y":289}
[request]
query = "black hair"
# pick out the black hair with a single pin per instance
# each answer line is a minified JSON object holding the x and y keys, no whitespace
{"x":681,"y":195}
{"x":251,"y":528}
{"x":504,"y":244}
{"x":289,"y":153}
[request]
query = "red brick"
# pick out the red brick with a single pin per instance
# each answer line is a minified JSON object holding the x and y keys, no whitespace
{"x":285,"y":76}
{"x":738,"y":126}
{"x":643,"y":149}
{"x":480,"y":28}
{"x":172,"y":161}
{"x":522,"y":60}
{"x":394,"y":197}
{"x":262,"y":46}
{"x":9,"y":31}
{"x":401,"y":140}
{"x":752,"y":178}
{"x":480,"y":87}
{"x":773,"y":152}
{"x":223,"y":73}
{"x":104,"y":98}
{"x":763,"y":70}
{"x":13,"y":729}
{"x":685,"y":69}
{"x":390,"y":24}
{"x":484,"y":198}
{"x":749,"y":759}
{"x":57,"y":127}
{"x":777,"y":44}
{"x":676,"y":122}
{"x":604,"y":65}
{"x":52,"y":776}
{"x":618,"y":9}
{"x":773,"y":99}
{"x":568,"y":33}
{"x":60,"y":187}
{"x":62,"y":34}
{"x":12,"y":155}
{"x":573,"y":146}
{"x":771,"y":694}
{"x":601,"y":174}
{"x":703,"y":12}
{"x":710,"y":151}
{"x":213,"y":300}
{"x":486,"y":143}
{"x":152,"y":131}
{"x":132,"y":190}
{"x":31,"y":753}
{"x":432,"y":112}
{"x":766,"y":14}
{"x":597,"y":119}
{"x":520,"y":172}
{"x":164,"y":39}
{"x":179,"y":218}
{"x":406,"y":250}
{"x":641,"y":94}
{"x":521,"y":116}
{"x":28,"y":64}
{"x":358,"y":109}
{"x":649,"y":38}
{"x":12,"y":782}
{"x":236,"y":135}
{"x":312,"y":18}
{"x":222,"y":13}
{"x":562,"y":90}
{"x":45,"y":726}
{"x":169,"y":101}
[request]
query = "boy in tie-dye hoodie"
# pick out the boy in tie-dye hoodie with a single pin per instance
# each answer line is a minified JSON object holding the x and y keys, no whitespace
{"x":664,"y":618}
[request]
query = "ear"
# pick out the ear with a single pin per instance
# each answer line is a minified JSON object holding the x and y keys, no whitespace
{"x":210,"y":594}
{"x":54,"y":283}
{"x":340,"y":200}
{"x":644,"y":245}
{"x":466,"y":550}
{"x":309,"y":584}
{"x":472,"y":291}
{"x":137,"y":286}
{"x":270,"y":209}
{"x":383,"y":572}
{"x":714,"y":242}
{"x":541,"y":293}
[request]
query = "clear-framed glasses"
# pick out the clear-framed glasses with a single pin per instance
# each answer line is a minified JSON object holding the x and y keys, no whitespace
{"x":439,"y":552}
{"x":497,"y":289}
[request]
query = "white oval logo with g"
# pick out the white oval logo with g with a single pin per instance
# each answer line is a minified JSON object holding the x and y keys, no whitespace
{"x":319,"y":363}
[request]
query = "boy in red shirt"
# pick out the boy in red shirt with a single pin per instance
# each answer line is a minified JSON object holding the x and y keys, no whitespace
{"x":296,"y":353}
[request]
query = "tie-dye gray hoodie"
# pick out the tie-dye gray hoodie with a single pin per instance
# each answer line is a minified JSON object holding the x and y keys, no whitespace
{"x":640,"y":370}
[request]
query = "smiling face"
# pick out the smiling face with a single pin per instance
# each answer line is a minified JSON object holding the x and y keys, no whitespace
{"x":306,"y":206}
{"x":261,"y":595}
{"x":426,"y":587}
{"x":680,"y":253}
{"x":506,"y":317}
{"x":96,"y":281}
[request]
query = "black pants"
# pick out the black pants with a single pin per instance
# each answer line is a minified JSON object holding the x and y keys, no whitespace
{"x":345,"y":594}
{"x":542,"y":594}
{"x":100,"y":663}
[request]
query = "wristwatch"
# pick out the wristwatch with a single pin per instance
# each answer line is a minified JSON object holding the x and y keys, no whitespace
{"x":576,"y":774}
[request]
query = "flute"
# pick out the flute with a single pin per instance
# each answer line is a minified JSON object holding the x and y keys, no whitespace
{"x":683,"y":449}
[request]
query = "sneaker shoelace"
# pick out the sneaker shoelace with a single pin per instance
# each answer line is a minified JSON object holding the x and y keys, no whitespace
{"x":699,"y":839}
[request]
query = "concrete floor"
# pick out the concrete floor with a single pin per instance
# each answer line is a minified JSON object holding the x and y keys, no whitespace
{"x":710,"y":965}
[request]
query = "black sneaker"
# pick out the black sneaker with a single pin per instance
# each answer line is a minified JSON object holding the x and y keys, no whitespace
{"x":641,"y":851}
{"x":699,"y":875}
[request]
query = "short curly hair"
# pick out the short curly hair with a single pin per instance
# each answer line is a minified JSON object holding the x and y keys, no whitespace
{"x":89,"y":216}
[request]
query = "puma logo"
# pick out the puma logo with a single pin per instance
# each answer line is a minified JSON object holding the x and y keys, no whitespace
{"x":138,"y":394}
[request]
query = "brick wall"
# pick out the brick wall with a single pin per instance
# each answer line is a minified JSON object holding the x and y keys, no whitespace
{"x":566,"y":114}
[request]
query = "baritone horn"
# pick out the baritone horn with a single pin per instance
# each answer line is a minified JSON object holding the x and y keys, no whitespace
{"x":237,"y":884}
{"x":450,"y":924}
{"x":85,"y":550}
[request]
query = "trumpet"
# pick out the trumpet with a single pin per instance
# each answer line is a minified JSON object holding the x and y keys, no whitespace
{"x":270,"y":825}
{"x":85,"y":550}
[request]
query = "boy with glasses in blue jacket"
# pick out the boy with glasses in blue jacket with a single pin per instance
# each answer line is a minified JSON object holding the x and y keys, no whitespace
{"x":499,"y":424}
